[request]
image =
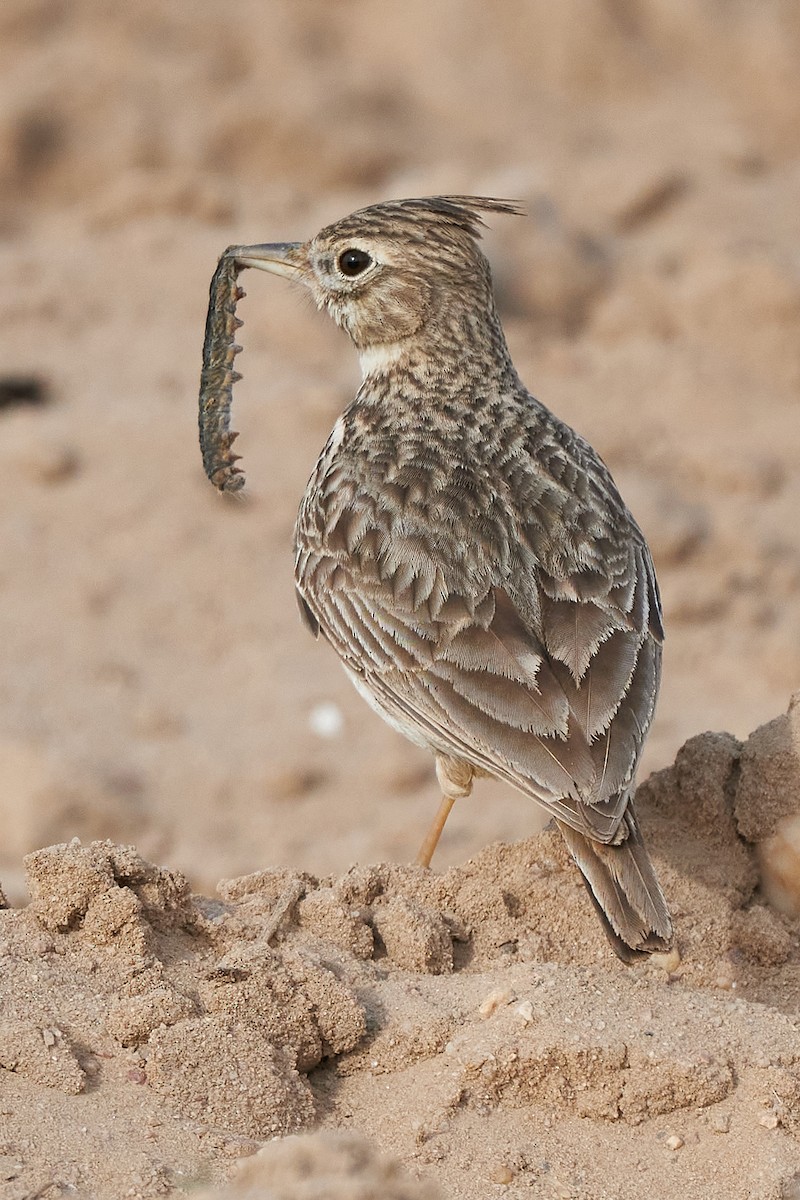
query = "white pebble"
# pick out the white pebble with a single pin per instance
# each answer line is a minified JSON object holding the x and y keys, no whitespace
{"x":524,"y":1011}
{"x":668,"y":961}
{"x":326,"y":720}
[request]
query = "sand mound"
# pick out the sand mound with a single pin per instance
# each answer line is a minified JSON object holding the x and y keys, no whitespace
{"x":324,"y":1166}
{"x":413,"y":1005}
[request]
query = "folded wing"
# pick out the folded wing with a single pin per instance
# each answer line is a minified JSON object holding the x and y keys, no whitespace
{"x":545,"y":679}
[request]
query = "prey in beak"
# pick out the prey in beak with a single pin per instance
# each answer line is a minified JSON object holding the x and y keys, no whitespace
{"x":218,"y":376}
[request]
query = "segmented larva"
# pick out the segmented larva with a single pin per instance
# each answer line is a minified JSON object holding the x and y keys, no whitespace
{"x":218,"y":377}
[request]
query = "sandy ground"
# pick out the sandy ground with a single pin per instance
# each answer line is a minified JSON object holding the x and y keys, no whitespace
{"x":471,"y":1023}
{"x":158,"y":689}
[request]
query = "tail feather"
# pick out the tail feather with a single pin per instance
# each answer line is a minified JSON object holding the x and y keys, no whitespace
{"x":624,"y":890}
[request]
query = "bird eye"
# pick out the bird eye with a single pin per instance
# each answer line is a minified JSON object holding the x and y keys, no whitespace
{"x":353,"y":262}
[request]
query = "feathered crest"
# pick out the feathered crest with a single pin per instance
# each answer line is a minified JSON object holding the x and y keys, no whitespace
{"x":455,"y":213}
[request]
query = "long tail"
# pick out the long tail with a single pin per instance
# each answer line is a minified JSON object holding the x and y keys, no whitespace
{"x":624,"y":890}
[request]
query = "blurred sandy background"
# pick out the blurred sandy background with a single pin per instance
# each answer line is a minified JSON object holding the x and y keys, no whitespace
{"x":156,"y":684}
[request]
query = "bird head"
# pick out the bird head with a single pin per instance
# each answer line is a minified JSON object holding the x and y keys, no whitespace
{"x":387,"y":272}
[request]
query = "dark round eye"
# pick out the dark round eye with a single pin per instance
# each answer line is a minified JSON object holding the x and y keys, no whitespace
{"x":353,"y":262}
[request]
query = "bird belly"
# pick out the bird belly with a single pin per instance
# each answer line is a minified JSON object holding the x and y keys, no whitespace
{"x":407,"y":728}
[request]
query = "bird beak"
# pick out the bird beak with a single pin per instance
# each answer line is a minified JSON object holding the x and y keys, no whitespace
{"x":281,"y":258}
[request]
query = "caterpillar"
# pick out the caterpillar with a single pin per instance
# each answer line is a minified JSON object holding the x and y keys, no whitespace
{"x":218,"y":377}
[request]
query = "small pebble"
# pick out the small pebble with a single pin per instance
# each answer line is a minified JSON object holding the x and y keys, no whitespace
{"x":770,"y":1120}
{"x":674,"y":1142}
{"x":524,"y":1010}
{"x":326,"y":720}
{"x":497,"y":998}
{"x":669,"y":962}
{"x":501,"y":1174}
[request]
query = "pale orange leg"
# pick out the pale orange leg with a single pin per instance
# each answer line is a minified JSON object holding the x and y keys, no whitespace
{"x":431,"y":841}
{"x":455,"y":779}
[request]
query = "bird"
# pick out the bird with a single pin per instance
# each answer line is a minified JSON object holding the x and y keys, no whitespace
{"x":468,"y":555}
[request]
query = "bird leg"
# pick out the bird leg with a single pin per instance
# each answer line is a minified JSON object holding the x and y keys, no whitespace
{"x":431,"y":841}
{"x":455,"y":780}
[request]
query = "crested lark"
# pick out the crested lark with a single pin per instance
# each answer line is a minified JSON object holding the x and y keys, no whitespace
{"x":468,"y":555}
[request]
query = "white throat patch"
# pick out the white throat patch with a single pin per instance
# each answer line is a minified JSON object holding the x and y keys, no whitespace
{"x":377,"y":359}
